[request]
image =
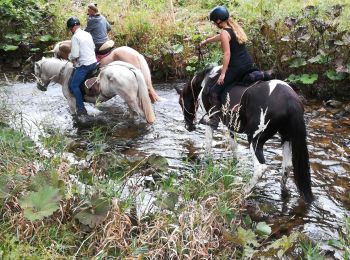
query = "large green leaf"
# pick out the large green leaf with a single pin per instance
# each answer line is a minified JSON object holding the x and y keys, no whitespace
{"x":246,"y":237}
{"x":45,"y":38}
{"x":308,"y":79}
{"x":8,"y":47}
{"x":335,"y":76}
{"x":43,"y":179}
{"x":13,"y":36}
{"x":169,"y":201}
{"x":95,"y":214}
{"x":177,"y":48}
{"x":263,"y":229}
{"x":293,"y":78}
{"x":319,"y":59}
{"x":297,"y":62}
{"x":157,"y":162}
{"x":40,"y":204}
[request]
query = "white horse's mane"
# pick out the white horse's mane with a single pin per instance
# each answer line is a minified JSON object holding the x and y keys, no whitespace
{"x":55,"y":65}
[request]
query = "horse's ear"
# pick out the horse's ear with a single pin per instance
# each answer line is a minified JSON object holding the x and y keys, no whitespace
{"x":178,"y":90}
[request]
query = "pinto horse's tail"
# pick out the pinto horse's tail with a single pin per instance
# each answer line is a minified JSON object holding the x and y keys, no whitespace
{"x":300,"y":154}
{"x":147,"y":75}
{"x":143,"y":98}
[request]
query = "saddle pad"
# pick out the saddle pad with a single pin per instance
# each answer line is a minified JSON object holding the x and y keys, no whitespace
{"x":99,"y":57}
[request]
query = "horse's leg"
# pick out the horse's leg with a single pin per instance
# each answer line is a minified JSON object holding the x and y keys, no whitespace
{"x":233,"y":143}
{"x":70,"y":98}
{"x":208,"y":140}
{"x":286,"y":166}
{"x":133,"y":106}
{"x":256,"y":148}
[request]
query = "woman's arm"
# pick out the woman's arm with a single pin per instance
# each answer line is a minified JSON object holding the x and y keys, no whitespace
{"x":215,"y":38}
{"x":225,"y":44}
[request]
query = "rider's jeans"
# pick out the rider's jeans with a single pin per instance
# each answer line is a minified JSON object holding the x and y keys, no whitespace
{"x":78,"y":77}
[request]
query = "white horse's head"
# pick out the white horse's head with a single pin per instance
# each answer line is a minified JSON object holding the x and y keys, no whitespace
{"x":42,"y":79}
{"x":49,"y":69}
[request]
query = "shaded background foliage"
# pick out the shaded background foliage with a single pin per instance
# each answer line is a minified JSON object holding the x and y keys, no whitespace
{"x":305,"y":42}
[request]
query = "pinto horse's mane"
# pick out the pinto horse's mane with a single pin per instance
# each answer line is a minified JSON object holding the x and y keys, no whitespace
{"x":204,"y":72}
{"x":199,"y":76}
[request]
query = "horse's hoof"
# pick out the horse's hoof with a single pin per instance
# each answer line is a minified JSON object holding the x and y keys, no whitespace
{"x":285,"y":194}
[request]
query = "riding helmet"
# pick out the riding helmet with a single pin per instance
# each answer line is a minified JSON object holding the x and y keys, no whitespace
{"x":71,"y":22}
{"x":219,"y":13}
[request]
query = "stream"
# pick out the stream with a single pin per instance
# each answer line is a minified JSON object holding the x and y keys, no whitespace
{"x":328,"y":143}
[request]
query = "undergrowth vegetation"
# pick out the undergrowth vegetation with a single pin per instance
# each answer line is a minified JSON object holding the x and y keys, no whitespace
{"x":305,"y":42}
{"x":74,"y":199}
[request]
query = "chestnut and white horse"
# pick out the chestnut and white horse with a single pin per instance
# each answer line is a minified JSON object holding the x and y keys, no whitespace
{"x":117,"y":78}
{"x":123,"y":53}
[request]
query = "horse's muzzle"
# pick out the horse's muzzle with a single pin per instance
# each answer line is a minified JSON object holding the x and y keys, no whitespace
{"x":190,"y":127}
{"x":42,"y":87}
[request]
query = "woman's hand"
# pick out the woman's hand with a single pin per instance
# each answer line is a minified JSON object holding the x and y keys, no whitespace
{"x":221,"y":79}
{"x":204,"y":42}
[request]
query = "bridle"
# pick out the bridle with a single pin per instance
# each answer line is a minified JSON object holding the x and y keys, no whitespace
{"x":195,"y":103}
{"x":38,"y":78}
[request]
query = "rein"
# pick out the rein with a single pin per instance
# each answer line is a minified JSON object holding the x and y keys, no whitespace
{"x":194,"y":98}
{"x":38,"y":78}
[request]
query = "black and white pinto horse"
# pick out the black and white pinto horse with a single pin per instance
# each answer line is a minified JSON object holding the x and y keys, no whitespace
{"x":260,"y":111}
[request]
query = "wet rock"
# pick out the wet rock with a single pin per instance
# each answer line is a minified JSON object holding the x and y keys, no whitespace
{"x":15,"y":64}
{"x":347,"y":108}
{"x":333,"y":103}
{"x":321,"y":111}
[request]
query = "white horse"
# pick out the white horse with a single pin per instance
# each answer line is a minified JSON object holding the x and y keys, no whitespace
{"x":117,"y":78}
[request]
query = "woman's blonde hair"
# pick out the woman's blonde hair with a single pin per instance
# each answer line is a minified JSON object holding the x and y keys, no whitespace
{"x":238,"y":30}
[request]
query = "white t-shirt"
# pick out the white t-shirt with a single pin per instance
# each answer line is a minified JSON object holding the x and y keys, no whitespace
{"x":83,"y":48}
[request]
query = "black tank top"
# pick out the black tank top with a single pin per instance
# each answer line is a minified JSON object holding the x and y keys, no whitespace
{"x":240,"y":59}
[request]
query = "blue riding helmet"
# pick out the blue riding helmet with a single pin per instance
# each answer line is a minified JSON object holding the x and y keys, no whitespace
{"x":72,"y":21}
{"x":219,"y":13}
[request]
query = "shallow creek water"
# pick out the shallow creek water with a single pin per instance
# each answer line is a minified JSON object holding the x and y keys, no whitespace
{"x":328,"y":142}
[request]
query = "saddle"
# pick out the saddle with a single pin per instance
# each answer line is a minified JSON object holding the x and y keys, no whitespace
{"x":236,"y":90}
{"x":105,"y":50}
{"x":91,"y":86}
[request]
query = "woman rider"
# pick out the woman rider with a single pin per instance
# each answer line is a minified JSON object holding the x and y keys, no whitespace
{"x":98,"y":26}
{"x":236,"y":60}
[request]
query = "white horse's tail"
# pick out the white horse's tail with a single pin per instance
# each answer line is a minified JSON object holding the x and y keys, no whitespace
{"x":147,"y":75}
{"x":143,"y":98}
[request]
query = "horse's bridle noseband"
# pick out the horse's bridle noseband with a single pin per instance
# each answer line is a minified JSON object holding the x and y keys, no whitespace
{"x":41,"y":85}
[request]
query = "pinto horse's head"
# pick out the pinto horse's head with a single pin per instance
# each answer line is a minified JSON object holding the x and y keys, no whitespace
{"x":189,"y":98}
{"x":42,"y":80}
{"x":188,"y":106}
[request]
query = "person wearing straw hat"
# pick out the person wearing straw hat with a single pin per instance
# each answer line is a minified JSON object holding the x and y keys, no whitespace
{"x":98,"y":27}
